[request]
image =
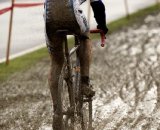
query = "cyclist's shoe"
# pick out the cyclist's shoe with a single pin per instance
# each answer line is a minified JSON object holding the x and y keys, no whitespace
{"x":87,"y":90}
{"x":56,"y":122}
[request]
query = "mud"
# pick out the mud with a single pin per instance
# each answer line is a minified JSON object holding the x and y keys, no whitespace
{"x":125,"y":75}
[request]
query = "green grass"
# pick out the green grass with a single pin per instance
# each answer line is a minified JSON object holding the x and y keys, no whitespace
{"x":21,"y":63}
{"x":28,"y":60}
{"x":134,"y":18}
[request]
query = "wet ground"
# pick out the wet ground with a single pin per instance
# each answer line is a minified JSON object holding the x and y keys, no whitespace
{"x":125,"y":75}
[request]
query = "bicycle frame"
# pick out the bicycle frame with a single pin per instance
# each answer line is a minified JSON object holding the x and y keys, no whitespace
{"x":71,"y":89}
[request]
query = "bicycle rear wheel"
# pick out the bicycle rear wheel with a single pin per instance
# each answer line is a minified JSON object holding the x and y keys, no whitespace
{"x":66,"y":110}
{"x":73,"y":108}
{"x":83,"y":116}
{"x":66,"y":97}
{"x":83,"y":105}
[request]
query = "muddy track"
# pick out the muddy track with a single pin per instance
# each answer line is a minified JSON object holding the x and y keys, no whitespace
{"x":125,"y":75}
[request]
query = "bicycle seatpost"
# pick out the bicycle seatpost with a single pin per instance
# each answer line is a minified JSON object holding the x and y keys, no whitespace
{"x":103,"y":37}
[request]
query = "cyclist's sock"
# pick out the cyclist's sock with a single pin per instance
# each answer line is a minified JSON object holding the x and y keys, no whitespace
{"x":55,"y":107}
{"x":85,"y":80}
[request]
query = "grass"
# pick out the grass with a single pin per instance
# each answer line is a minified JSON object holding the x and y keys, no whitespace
{"x":28,"y":60}
{"x":21,"y":63}
{"x":135,"y":17}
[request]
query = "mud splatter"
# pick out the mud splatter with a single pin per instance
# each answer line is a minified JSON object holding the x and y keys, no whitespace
{"x":125,"y":75}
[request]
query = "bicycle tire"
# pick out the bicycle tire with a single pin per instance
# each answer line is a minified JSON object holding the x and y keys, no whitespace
{"x":82,"y":107}
{"x":61,"y":103}
{"x":69,"y":85}
{"x":65,"y":104}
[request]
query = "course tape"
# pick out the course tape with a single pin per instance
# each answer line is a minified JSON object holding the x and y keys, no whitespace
{"x":19,"y":5}
{"x":5,"y":10}
{"x":25,"y":5}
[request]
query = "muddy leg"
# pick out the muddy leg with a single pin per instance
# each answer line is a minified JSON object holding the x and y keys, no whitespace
{"x":85,"y":52}
{"x":57,"y":59}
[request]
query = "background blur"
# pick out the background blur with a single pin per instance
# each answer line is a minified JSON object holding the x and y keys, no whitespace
{"x":28,"y":23}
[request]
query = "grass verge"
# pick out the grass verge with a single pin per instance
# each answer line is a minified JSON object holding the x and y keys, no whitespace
{"x":134,"y":18}
{"x":28,"y":60}
{"x":21,"y":63}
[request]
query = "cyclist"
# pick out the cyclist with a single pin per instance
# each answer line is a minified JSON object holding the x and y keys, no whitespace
{"x":66,"y":14}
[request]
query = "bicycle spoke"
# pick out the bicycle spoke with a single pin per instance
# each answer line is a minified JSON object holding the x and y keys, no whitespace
{"x":90,"y":114}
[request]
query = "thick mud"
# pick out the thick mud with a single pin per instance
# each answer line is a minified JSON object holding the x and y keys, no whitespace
{"x":125,"y":75}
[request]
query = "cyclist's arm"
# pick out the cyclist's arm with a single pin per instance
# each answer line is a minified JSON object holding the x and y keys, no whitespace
{"x":99,"y":14}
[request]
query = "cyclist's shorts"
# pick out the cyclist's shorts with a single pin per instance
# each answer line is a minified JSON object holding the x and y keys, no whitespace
{"x":64,"y":14}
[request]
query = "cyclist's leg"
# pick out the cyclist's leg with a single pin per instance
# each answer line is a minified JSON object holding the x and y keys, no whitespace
{"x":85,"y":54}
{"x":55,"y":47}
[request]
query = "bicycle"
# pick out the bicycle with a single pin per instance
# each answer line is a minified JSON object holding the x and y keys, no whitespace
{"x":74,"y":109}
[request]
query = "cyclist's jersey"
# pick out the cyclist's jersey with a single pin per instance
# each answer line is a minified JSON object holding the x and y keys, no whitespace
{"x":80,"y":17}
{"x":81,"y":1}
{"x":79,"y":14}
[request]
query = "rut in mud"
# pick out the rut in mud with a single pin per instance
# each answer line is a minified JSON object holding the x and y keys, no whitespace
{"x":125,"y":75}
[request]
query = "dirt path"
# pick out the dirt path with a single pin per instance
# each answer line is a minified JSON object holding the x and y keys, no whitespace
{"x":125,"y":75}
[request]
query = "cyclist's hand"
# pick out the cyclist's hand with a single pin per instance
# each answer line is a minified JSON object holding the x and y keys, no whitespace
{"x":104,"y":28}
